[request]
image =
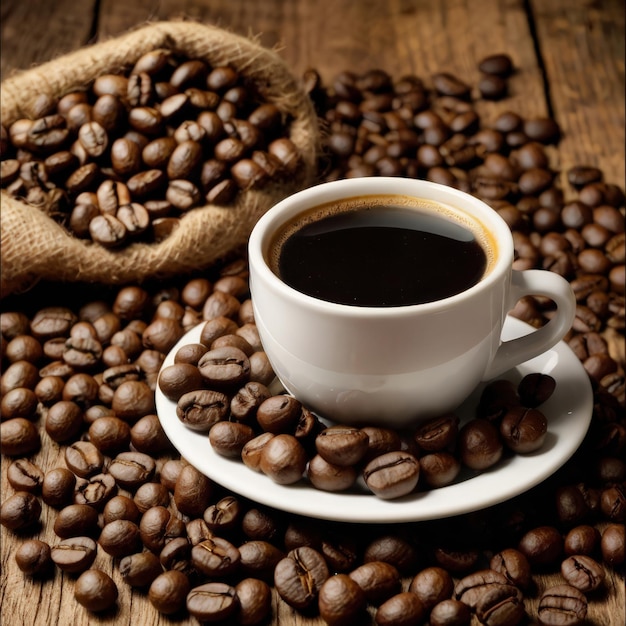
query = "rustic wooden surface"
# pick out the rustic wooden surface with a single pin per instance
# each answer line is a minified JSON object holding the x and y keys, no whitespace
{"x":570,"y":60}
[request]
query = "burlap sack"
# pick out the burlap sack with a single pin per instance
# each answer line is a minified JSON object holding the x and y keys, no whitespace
{"x":35,"y":247}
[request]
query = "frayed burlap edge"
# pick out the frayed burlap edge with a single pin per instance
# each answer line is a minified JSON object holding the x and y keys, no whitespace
{"x":34,"y":247}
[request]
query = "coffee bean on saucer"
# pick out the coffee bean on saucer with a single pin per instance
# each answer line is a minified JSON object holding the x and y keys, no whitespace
{"x":392,"y":475}
{"x":342,"y":445}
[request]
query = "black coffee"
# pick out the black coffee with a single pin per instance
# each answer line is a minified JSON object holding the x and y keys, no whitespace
{"x":379,"y":254}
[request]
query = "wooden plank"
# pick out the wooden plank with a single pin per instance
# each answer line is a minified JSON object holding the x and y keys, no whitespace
{"x":582,"y":45}
{"x":34,"y":31}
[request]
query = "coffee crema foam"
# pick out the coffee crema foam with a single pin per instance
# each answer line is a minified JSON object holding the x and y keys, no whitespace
{"x":480,"y":232}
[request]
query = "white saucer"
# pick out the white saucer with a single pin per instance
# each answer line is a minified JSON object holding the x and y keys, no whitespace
{"x":568,"y":411}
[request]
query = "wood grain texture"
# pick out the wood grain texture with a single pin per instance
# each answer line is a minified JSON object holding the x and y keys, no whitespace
{"x":577,"y":46}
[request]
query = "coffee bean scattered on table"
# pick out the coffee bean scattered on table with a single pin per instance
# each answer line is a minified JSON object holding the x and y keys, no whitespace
{"x":115,"y":341}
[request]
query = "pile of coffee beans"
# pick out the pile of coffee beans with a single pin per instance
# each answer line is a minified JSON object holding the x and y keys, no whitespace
{"x":121,"y":160}
{"x":220,"y":387}
{"x":94,"y":489}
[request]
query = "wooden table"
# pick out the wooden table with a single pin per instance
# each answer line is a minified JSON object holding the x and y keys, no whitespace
{"x":570,"y":60}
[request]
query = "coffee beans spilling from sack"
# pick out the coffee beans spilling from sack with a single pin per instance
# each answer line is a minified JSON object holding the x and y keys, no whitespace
{"x":122,"y":160}
{"x":161,"y":147}
{"x":117,"y":506}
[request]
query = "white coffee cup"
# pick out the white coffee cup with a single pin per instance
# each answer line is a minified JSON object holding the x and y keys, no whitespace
{"x":396,"y":365}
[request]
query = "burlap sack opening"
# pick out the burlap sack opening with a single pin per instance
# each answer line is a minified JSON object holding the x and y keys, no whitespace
{"x":34,"y":247}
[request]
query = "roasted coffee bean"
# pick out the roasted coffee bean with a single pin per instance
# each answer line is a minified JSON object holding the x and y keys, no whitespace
{"x":19,"y":402}
{"x":571,"y":506}
{"x":76,"y":520}
{"x":583,"y":539}
{"x":192,"y":492}
{"x":392,"y":549}
{"x":259,"y":558}
{"x":251,"y":451}
{"x":203,"y":408}
{"x":378,"y":580}
{"x":74,"y":554}
{"x":392,"y":475}
{"x":582,"y":572}
{"x":95,"y":590}
{"x":18,"y":436}
{"x":380,"y":441}
{"x":245,"y":403}
{"x":496,"y":64}
{"x":24,"y":475}
{"x":439,"y":469}
{"x":283,"y":459}
{"x":33,"y":557}
{"x":500,"y":605}
{"x":179,"y":379}
{"x":19,"y":511}
{"x":479,"y":444}
{"x":109,"y":434}
{"x":132,"y":469}
{"x":95,"y":491}
{"x":120,"y":507}
{"x":224,"y":367}
{"x":63,"y":421}
{"x":432,"y":585}
{"x":224,"y":515}
{"x":151,"y":494}
{"x":299,"y":577}
{"x":612,"y":545}
{"x":513,"y":565}
{"x":176,"y":554}
{"x":341,"y":601}
{"x":147,"y":436}
{"x":120,"y":538}
{"x":450,"y":613}
{"x":19,"y":374}
{"x":403,"y":608}
{"x":83,"y":458}
{"x":140,"y":569}
{"x":132,"y":400}
{"x":342,"y":445}
{"x":613,"y":502}
{"x":168,"y":591}
{"x":255,"y":601}
{"x":471,"y":588}
{"x":214,"y":601}
{"x":438,"y":433}
{"x":328,"y":477}
{"x":279,"y":414}
{"x":215,"y":557}
{"x":158,"y":526}
{"x":58,"y":485}
{"x":562,"y":605}
{"x":523,"y":430}
{"x":542,"y":545}
{"x":229,"y":438}
{"x":535,"y":389}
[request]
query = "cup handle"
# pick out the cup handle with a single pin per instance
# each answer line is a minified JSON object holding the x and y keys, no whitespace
{"x":535,"y":283}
